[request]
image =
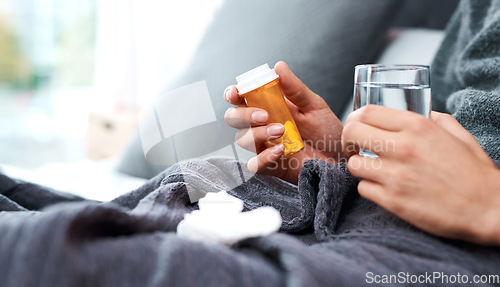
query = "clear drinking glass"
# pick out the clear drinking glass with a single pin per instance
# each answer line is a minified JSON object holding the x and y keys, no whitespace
{"x":403,"y":87}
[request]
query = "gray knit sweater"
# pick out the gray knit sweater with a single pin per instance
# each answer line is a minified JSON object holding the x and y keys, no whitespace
{"x":466,"y":72}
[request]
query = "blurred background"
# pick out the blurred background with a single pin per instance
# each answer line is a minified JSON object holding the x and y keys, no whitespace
{"x":73,"y":76}
{"x":65,"y":64}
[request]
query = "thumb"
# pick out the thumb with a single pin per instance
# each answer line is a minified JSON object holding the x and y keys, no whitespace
{"x":298,"y":93}
{"x":449,"y":123}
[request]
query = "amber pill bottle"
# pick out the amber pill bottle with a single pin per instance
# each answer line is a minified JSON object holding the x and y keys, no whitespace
{"x":260,"y":88}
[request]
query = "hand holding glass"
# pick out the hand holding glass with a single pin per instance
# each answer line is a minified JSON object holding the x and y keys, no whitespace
{"x":403,"y":87}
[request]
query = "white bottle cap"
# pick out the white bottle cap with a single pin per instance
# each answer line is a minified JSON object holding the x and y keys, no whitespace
{"x":255,"y":78}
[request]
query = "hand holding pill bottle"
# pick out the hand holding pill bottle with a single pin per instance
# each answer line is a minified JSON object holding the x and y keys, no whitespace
{"x":260,"y":88}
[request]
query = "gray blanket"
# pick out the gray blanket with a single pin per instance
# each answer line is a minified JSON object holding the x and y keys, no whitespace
{"x":330,"y":235}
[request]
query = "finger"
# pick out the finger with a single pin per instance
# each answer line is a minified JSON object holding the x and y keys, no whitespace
{"x":243,"y":117}
{"x":356,"y":135}
{"x":383,"y":117}
{"x":252,"y":138}
{"x":265,"y":159}
{"x":450,"y":124}
{"x":367,"y":168}
{"x":231,"y":96}
{"x":294,"y":110}
{"x":373,"y":191}
{"x":298,"y":93}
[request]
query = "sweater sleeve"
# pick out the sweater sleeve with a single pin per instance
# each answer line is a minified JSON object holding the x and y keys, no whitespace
{"x":466,"y":72}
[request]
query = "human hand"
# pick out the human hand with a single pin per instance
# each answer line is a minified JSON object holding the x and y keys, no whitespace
{"x":319,"y":127}
{"x":430,"y":172}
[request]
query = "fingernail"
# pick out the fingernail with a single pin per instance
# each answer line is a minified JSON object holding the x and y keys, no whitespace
{"x":275,"y":130}
{"x":227,"y":93}
{"x":259,"y":117}
{"x":278,"y":149}
{"x":253,"y":165}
